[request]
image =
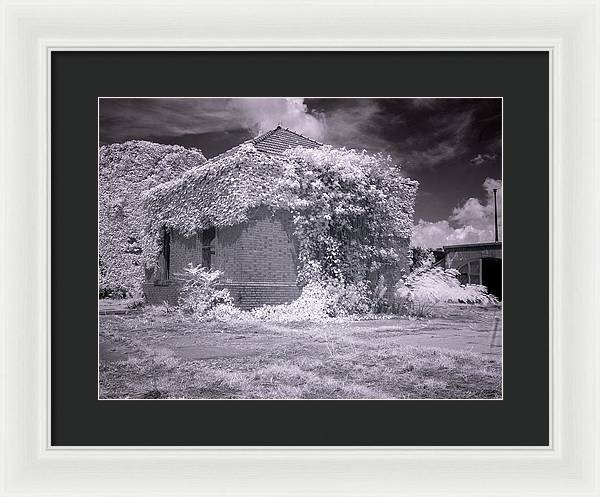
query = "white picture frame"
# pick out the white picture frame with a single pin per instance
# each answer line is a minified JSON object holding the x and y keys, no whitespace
{"x":568,"y":30}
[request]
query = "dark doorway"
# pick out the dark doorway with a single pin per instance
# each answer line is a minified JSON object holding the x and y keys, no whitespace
{"x":208,"y":236}
{"x":166,"y":253}
{"x":491,"y":275}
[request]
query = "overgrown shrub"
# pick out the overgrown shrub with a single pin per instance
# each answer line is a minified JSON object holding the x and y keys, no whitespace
{"x":125,"y":170}
{"x":420,"y":257}
{"x":226,"y":313}
{"x":352,"y":211}
{"x":419,"y":292}
{"x":199,"y":293}
{"x":349,"y":298}
{"x":313,"y":304}
{"x":320,"y":300}
{"x":380,"y":297}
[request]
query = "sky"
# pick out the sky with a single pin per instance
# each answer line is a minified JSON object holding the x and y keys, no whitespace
{"x":453,"y":147}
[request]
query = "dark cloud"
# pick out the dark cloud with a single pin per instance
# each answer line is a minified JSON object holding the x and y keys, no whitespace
{"x":449,"y":144}
{"x":133,"y":118}
{"x":482,"y":159}
{"x":421,"y":133}
{"x":435,"y":140}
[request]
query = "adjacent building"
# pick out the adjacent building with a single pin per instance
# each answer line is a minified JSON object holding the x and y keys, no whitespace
{"x":478,"y":264}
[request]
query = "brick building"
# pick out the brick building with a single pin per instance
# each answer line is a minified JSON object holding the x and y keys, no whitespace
{"x":258,"y":259}
{"x":252,"y":245}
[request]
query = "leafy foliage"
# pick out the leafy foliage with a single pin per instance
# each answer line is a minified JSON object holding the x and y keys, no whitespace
{"x":419,"y":292}
{"x":225,"y":313}
{"x":125,"y":170}
{"x":420,"y":256}
{"x":218,"y":193}
{"x":352,"y":211}
{"x":319,"y":301}
{"x":199,"y":293}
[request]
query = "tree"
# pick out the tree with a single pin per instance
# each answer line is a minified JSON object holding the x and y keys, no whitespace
{"x":125,"y":170}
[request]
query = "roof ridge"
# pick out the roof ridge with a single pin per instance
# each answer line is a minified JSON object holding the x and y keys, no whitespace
{"x":256,"y":140}
{"x":266,"y":134}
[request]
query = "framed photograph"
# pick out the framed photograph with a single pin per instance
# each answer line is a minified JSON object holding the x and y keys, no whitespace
{"x":270,"y":249}
{"x":286,"y":268}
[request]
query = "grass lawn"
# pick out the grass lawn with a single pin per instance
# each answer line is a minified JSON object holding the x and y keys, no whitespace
{"x":152,"y":354}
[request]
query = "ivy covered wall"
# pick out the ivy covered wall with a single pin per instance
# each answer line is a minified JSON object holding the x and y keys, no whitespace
{"x":125,"y":170}
{"x":351,"y":211}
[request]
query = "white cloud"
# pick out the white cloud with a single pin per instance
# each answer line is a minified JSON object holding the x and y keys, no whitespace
{"x":440,"y":233}
{"x":472,"y":222}
{"x":263,"y":114}
{"x":356,"y":126}
{"x":180,"y":116}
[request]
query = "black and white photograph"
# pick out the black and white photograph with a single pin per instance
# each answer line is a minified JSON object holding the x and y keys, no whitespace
{"x":300,"y":248}
{"x":262,"y":248}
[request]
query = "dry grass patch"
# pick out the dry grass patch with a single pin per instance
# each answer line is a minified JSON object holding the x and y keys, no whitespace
{"x":291,"y":361}
{"x":410,"y":372}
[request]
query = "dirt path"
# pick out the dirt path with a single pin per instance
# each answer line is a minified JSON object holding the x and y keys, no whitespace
{"x":465,"y":328}
{"x":482,"y":335}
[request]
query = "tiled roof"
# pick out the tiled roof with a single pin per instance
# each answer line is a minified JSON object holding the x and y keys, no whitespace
{"x":273,"y":142}
{"x":280,"y":139}
{"x":220,"y":191}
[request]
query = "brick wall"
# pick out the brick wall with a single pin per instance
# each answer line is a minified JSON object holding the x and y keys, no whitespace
{"x":260,"y":250}
{"x":250,"y":295}
{"x":258,"y":260}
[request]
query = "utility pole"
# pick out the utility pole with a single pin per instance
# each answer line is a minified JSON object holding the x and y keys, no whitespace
{"x":495,"y":214}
